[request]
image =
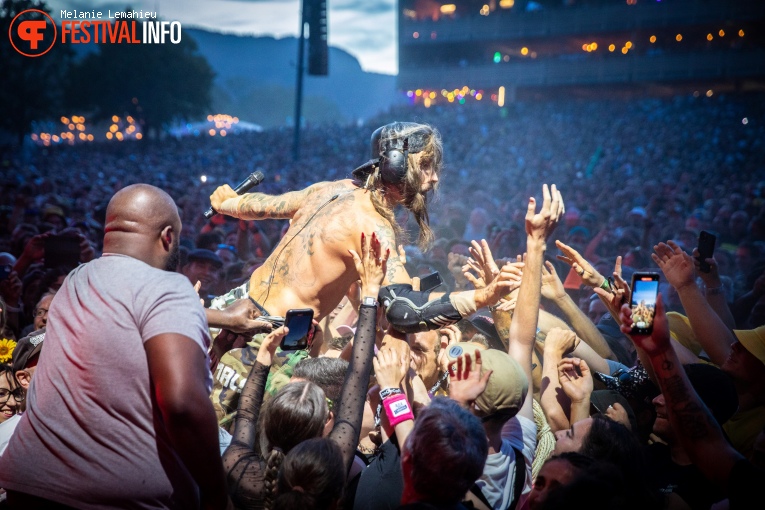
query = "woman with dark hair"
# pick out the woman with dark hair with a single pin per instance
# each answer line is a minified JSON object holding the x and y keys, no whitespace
{"x":607,"y":440}
{"x":312,"y":477}
{"x":299,"y":411}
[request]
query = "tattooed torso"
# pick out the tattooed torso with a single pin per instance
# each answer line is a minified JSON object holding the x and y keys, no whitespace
{"x":311,"y":266}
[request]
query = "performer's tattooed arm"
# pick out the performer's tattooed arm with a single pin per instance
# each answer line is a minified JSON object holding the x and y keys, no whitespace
{"x":259,"y":206}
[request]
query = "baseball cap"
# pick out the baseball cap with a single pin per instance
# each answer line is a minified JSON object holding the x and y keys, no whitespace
{"x":26,"y":349}
{"x":343,"y":330}
{"x":753,"y":341}
{"x":203,"y":255}
{"x":53,"y":210}
{"x":680,"y":329}
{"x":485,"y":326}
{"x":507,"y":386}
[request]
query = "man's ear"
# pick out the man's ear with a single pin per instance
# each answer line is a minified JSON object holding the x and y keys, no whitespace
{"x":24,"y":378}
{"x":166,"y":236}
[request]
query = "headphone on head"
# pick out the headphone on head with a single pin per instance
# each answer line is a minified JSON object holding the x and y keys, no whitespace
{"x":393,"y":157}
{"x":391,"y":154}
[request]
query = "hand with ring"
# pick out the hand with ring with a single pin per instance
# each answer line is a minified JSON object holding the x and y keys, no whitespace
{"x":590,"y":276}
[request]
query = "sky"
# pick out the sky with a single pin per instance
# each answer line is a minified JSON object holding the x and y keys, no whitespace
{"x":364,"y":28}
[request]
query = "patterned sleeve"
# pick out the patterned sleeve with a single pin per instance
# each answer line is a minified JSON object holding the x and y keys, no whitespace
{"x":348,"y":421}
{"x":243,"y":464}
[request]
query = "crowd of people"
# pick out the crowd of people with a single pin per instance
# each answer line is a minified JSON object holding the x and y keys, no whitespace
{"x":530,"y":398}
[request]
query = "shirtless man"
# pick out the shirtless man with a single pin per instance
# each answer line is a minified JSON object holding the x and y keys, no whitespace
{"x":311,"y":267}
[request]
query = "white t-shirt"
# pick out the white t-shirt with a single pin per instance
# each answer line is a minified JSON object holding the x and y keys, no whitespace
{"x":498,"y":479}
{"x":7,"y":428}
{"x":92,"y":435}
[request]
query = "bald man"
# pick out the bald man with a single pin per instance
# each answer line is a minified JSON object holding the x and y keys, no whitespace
{"x":119,"y":412}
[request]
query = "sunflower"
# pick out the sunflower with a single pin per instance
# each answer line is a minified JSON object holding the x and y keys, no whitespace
{"x":6,"y":349}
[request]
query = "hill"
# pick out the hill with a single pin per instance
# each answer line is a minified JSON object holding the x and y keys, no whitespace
{"x":255,"y":80}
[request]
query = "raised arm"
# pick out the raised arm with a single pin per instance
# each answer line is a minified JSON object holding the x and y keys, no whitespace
{"x":371,"y":265}
{"x":710,"y":330}
{"x":713,"y":289}
{"x":555,"y":404}
{"x":523,"y":329}
{"x":259,"y":206}
{"x":552,"y":289}
{"x":696,"y":429}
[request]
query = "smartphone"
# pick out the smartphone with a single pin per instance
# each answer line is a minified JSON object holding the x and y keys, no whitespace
{"x":645,"y":288}
{"x":706,"y":249}
{"x":298,"y":321}
{"x":62,"y":251}
{"x":430,"y":282}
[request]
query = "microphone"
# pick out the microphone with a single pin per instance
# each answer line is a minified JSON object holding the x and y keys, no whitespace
{"x":246,"y":185}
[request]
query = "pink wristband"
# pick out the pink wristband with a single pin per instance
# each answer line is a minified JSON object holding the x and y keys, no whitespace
{"x":397,"y":409}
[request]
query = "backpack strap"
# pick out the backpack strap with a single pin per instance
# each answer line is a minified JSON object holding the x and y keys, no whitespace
{"x":476,"y":491}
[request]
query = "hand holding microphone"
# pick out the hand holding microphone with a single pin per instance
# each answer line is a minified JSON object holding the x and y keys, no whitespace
{"x":225,"y":192}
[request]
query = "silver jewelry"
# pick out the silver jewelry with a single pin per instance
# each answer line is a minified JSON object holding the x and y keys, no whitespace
{"x":369,"y":301}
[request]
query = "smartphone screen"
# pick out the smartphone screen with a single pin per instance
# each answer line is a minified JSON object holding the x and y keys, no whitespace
{"x":706,"y":249}
{"x":645,"y":288}
{"x":299,"y":324}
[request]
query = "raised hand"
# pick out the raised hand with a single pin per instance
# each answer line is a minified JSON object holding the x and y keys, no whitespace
{"x":617,"y":412}
{"x":676,"y":265}
{"x":269,"y":345}
{"x":552,"y":287}
{"x":658,"y":341}
{"x":619,"y":294}
{"x":482,"y":262}
{"x":590,"y":276}
{"x":391,"y":366}
{"x":465,"y":380}
{"x":540,"y":225}
{"x":456,"y":264}
{"x":560,"y":341}
{"x":575,"y":379}
{"x":712,"y":278}
{"x":220,"y":195}
{"x":485,"y":267}
{"x":371,"y":264}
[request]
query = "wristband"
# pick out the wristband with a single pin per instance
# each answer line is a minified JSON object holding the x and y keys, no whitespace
{"x":606,"y":285}
{"x":713,"y":291}
{"x":397,"y":409}
{"x":387,"y":392}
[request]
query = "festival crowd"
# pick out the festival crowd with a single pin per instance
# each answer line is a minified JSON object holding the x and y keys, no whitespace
{"x":543,"y":398}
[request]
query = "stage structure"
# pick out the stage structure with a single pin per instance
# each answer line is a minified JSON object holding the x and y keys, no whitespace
{"x":460,"y":50}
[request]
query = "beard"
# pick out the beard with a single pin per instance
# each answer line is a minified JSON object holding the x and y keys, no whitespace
{"x":173,"y":258}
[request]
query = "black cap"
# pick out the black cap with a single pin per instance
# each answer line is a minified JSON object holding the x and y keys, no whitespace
{"x":485,"y":326}
{"x":26,"y":348}
{"x":416,"y":140}
{"x":601,"y":400}
{"x":203,"y":255}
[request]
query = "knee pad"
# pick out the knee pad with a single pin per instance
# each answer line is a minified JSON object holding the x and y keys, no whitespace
{"x":409,"y":311}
